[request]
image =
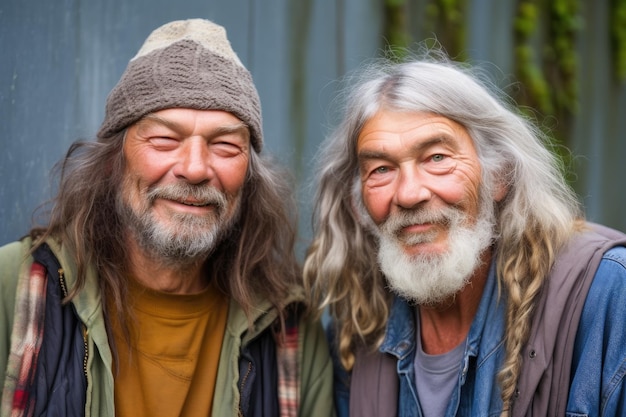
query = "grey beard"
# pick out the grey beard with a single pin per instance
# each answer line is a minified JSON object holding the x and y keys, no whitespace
{"x":187,"y":238}
{"x":431,"y":279}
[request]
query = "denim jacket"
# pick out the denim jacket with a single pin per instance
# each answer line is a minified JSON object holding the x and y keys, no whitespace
{"x":484,"y":351}
{"x":598,"y":385}
{"x":598,"y":368}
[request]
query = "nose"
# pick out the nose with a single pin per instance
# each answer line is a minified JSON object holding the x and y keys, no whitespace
{"x":412,"y":188}
{"x":194,"y":162}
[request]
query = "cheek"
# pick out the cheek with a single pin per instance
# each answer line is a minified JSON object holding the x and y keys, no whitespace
{"x":377,"y":202}
{"x":132,"y":187}
{"x":137,"y":165}
{"x":461,"y":189}
{"x":139,"y":175}
{"x":453,"y":190}
{"x":232,"y":176}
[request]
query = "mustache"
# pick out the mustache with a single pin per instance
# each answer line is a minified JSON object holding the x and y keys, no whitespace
{"x":200,"y":194}
{"x":394,"y":224}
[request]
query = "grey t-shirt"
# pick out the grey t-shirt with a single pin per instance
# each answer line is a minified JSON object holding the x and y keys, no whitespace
{"x":436,"y":377}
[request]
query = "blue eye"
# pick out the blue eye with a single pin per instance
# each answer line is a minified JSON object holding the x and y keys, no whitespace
{"x":438,"y":157}
{"x":381,"y":170}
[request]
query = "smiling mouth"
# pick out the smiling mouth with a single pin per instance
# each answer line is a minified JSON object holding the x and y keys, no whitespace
{"x":194,"y":204}
{"x":200,"y":205}
{"x":417,"y":233}
{"x":416,"y":228}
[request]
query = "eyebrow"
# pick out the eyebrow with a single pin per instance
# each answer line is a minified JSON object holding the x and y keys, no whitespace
{"x":219,"y":131}
{"x":439,"y":139}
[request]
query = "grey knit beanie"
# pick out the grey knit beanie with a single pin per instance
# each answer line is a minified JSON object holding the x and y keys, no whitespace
{"x":185,"y":63}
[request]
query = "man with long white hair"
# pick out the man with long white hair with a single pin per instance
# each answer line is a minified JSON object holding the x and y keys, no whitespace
{"x":455,"y":262}
{"x":165,"y":281}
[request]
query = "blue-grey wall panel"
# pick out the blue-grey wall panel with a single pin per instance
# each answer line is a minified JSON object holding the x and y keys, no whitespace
{"x":60,"y":59}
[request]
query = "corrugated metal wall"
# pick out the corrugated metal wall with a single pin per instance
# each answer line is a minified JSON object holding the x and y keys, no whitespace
{"x":60,"y":59}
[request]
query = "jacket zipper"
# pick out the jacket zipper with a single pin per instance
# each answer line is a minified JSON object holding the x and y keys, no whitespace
{"x":243,"y":384}
{"x":85,"y":331}
{"x":62,"y":282}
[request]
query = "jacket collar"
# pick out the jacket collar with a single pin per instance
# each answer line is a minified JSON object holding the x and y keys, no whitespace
{"x":400,"y":334}
{"x":88,"y":302}
{"x":262,"y":315}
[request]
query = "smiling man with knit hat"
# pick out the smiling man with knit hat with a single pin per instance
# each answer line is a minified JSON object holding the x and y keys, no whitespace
{"x":165,"y":283}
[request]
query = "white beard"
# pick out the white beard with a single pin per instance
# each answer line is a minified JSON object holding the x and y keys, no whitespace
{"x":428,"y":279}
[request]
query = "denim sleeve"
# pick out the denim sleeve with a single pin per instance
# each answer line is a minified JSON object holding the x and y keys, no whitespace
{"x":599,"y":362}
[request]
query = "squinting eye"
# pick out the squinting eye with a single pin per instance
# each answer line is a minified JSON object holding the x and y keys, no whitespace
{"x":438,"y":157}
{"x":164,"y":142}
{"x":381,"y":170}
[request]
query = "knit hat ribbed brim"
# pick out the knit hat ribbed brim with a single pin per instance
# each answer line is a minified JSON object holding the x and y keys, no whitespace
{"x":186,"y":64}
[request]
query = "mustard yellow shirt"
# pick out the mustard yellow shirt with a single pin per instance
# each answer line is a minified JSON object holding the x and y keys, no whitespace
{"x":171,"y":366}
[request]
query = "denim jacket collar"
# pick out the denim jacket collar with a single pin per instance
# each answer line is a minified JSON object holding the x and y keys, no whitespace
{"x":400,"y":335}
{"x":482,"y":356}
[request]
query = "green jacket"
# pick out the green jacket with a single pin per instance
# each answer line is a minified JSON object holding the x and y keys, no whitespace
{"x":315,"y":364}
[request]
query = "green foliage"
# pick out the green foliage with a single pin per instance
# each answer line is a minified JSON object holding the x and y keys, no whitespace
{"x":535,"y":92}
{"x":566,"y":22}
{"x":447,"y":17}
{"x":396,"y":30}
{"x":544,"y":53}
{"x":443,"y":18}
{"x":546,"y":65}
{"x":618,"y":37}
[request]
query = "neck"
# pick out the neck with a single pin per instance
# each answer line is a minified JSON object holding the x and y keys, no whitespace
{"x":445,"y":325}
{"x":186,"y":277}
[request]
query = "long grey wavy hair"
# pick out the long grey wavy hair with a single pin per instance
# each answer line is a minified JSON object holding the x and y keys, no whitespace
{"x":538,"y":214}
{"x":256,"y":259}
